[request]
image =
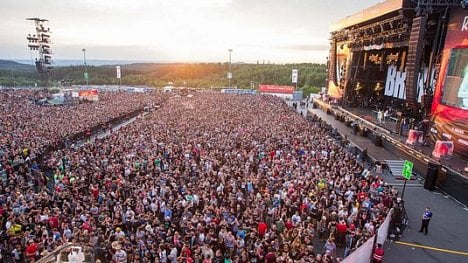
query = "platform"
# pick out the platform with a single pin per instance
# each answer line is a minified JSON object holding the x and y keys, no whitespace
{"x":361,"y":126}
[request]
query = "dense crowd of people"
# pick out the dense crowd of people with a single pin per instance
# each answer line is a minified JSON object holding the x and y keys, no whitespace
{"x":27,"y":128}
{"x":208,"y":178}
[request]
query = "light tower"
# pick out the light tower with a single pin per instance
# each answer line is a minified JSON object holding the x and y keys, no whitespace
{"x":230,"y":72}
{"x":86,"y":76}
{"x":41,"y":42}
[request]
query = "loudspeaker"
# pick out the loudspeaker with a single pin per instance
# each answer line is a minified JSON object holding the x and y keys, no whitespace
{"x":431,"y":177}
{"x":378,"y":141}
{"x":363,"y":131}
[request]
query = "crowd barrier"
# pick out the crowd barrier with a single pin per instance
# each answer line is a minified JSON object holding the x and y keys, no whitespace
{"x":69,"y":253}
{"x":66,"y":141}
{"x":363,"y":254}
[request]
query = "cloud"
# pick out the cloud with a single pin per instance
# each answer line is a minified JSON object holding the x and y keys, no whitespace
{"x":200,"y":30}
{"x":126,"y":52}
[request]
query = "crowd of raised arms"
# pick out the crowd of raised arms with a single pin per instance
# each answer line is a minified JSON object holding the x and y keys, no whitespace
{"x":208,"y":178}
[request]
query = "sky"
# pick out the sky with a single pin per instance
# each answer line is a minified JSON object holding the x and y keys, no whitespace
{"x":275,"y":31}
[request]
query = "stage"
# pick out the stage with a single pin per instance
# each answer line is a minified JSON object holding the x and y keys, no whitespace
{"x":451,"y":176}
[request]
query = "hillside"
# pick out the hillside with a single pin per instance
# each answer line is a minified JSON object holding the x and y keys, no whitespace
{"x":12,"y":65}
{"x":201,"y":75}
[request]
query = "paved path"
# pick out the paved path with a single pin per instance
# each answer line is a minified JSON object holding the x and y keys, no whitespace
{"x":106,"y":132}
{"x":375,"y":152}
{"x":448,"y":230}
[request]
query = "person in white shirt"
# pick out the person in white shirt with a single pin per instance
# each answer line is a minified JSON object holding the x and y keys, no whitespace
{"x":380,"y":116}
{"x":173,"y":255}
{"x":296,"y":219}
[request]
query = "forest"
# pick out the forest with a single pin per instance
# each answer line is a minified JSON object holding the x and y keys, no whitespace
{"x":198,"y":75}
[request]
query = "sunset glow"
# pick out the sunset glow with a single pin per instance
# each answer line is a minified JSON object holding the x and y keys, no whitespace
{"x":178,"y":30}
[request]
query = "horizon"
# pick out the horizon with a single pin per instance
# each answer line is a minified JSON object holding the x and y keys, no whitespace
{"x":179,"y":31}
{"x":112,"y":62}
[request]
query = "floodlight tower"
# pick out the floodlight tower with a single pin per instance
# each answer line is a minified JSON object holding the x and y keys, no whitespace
{"x":86,"y":76}
{"x":230,"y":72}
{"x":41,"y":42}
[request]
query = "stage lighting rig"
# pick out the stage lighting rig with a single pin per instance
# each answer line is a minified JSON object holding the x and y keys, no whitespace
{"x":40,"y":42}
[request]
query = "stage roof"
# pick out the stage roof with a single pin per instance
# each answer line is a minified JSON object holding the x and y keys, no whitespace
{"x":368,"y":14}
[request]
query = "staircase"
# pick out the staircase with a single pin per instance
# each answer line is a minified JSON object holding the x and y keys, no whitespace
{"x":396,"y":167}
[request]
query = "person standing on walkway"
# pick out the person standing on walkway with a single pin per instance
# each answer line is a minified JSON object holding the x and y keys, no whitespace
{"x":385,"y":115}
{"x":380,"y":116}
{"x":425,"y":220}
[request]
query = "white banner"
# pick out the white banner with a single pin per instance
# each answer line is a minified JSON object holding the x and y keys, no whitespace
{"x":395,"y":83}
{"x":362,"y":254}
{"x":229,"y":75}
{"x":295,"y":74}
{"x":382,"y":233}
{"x":118,"y":71}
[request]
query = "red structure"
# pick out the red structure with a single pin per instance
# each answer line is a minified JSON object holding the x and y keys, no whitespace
{"x":450,"y":104}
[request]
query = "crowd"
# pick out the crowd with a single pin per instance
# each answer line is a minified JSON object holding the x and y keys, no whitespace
{"x":210,"y":178}
{"x":27,"y":128}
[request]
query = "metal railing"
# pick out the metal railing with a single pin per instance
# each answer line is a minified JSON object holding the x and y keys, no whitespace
{"x":69,"y":252}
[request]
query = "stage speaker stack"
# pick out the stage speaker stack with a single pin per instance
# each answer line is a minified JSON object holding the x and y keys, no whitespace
{"x":431,"y":177}
{"x":378,"y":140}
{"x":354,"y":128}
{"x":363,"y":131}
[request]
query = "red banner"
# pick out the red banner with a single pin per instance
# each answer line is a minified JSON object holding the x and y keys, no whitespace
{"x":85,"y":93}
{"x":276,"y":89}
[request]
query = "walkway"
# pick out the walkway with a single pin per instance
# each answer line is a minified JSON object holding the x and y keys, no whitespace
{"x":448,"y":229}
